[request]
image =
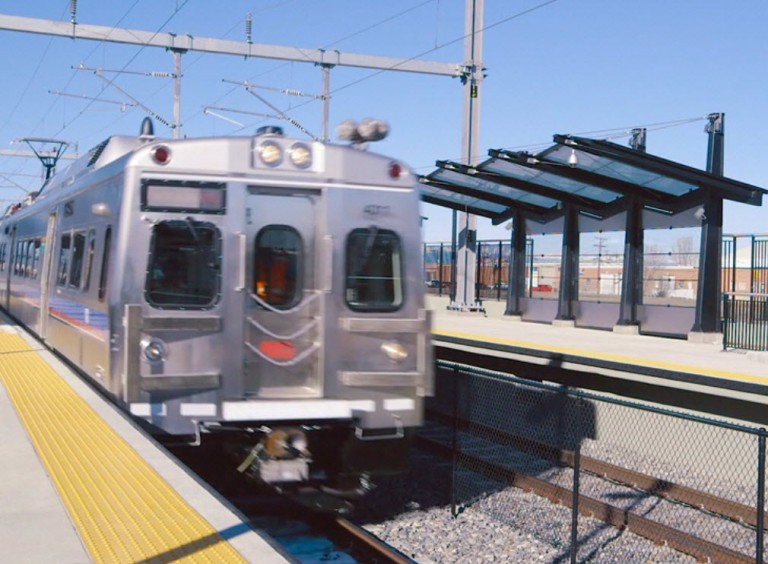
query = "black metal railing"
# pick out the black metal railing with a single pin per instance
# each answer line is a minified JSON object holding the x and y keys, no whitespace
{"x":745,"y":321}
{"x":695,"y":475}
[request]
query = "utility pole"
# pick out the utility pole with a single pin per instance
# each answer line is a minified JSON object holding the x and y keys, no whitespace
{"x":600,"y":246}
{"x":465,"y":297}
{"x":177,"y":92}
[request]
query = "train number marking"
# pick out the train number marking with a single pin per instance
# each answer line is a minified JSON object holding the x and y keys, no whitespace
{"x":375,"y":210}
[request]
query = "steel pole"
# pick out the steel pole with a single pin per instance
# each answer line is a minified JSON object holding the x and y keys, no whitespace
{"x":472,"y":77}
{"x":177,"y":93}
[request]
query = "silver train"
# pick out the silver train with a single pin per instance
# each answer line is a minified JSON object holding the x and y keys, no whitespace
{"x":261,"y":293}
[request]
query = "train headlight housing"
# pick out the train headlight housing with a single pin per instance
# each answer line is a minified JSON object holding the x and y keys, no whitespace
{"x":300,"y":155}
{"x":395,"y":351}
{"x":154,"y":350}
{"x":270,"y":153}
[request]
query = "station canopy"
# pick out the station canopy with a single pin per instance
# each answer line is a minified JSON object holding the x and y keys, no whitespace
{"x":599,"y":178}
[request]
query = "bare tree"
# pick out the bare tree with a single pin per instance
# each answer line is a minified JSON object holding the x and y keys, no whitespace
{"x":684,"y":252}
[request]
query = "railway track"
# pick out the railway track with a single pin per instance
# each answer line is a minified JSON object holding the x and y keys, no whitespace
{"x":683,"y":541}
{"x":363,"y":545}
{"x":295,"y":522}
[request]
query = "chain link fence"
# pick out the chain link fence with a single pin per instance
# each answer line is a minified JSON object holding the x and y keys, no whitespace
{"x":640,"y":466}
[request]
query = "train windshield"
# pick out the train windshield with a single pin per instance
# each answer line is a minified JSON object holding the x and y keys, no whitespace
{"x":374,"y":270}
{"x":184,"y":269}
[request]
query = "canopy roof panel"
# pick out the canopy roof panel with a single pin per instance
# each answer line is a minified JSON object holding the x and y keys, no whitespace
{"x":599,"y":177}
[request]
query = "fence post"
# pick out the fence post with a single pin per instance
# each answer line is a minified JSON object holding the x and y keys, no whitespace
{"x":498,"y":273}
{"x":455,"y":440}
{"x":442,"y":273}
{"x":760,"y":496}
{"x":726,"y":320}
{"x":576,"y":483}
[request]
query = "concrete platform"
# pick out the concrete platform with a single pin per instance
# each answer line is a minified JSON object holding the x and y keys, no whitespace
{"x":40,"y":519}
{"x":680,"y":363}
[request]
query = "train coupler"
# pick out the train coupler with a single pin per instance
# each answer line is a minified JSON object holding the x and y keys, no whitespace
{"x":280,"y":456}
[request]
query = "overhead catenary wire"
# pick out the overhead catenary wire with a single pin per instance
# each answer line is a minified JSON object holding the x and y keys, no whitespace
{"x":446,"y":44}
{"x":326,"y":46}
{"x":44,"y":117}
{"x":74,"y":74}
{"x":125,"y":66}
{"x":616,"y":133}
{"x":428,"y":51}
{"x":371,"y":75}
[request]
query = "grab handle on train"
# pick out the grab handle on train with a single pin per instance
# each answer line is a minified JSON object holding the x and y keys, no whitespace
{"x":327,"y":264}
{"x":241,"y":262}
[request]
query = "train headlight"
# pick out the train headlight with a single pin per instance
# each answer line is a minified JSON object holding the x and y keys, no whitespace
{"x":300,"y":155}
{"x":154,"y":350}
{"x":395,"y":351}
{"x":270,"y":153}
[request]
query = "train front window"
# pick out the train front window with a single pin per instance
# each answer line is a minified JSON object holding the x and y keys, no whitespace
{"x":374,"y":270}
{"x":184,"y":270}
{"x":277,"y":265}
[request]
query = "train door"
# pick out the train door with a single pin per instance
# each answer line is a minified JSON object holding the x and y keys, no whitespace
{"x":9,"y":271}
{"x":45,"y":275}
{"x":282,"y":324}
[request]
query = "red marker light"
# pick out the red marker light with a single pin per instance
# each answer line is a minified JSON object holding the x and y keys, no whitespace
{"x":395,"y":170}
{"x":161,"y":154}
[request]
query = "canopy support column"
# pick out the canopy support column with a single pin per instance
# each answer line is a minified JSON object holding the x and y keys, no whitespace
{"x":569,"y":267}
{"x":706,"y":326}
{"x":632,"y":269}
{"x":516,"y":289}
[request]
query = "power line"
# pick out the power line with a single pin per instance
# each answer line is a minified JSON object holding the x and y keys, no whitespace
{"x":326,"y":46}
{"x":618,"y":132}
{"x":200,"y":56}
{"x":423,"y":53}
{"x":138,"y":52}
{"x":447,"y":43}
{"x":71,"y":78}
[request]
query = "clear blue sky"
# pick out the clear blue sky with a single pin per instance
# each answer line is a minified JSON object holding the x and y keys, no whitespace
{"x":569,"y":66}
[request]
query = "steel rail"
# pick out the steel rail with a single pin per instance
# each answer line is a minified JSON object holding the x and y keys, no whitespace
{"x":622,"y":519}
{"x":662,"y":488}
{"x":375,"y":549}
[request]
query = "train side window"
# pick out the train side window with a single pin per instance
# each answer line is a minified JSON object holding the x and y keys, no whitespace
{"x":374,"y":270}
{"x":17,"y":258}
{"x":2,"y":256}
{"x":20,"y":258}
{"x":36,"y":257}
{"x":278,"y":259}
{"x":104,"y":274}
{"x":184,"y":270}
{"x":89,"y":254}
{"x":64,"y":254}
{"x":78,"y":254}
{"x":28,"y":257}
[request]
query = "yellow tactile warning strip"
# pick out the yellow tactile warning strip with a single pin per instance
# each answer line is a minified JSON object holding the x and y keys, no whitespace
{"x":677,"y":367}
{"x":123,"y":510}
